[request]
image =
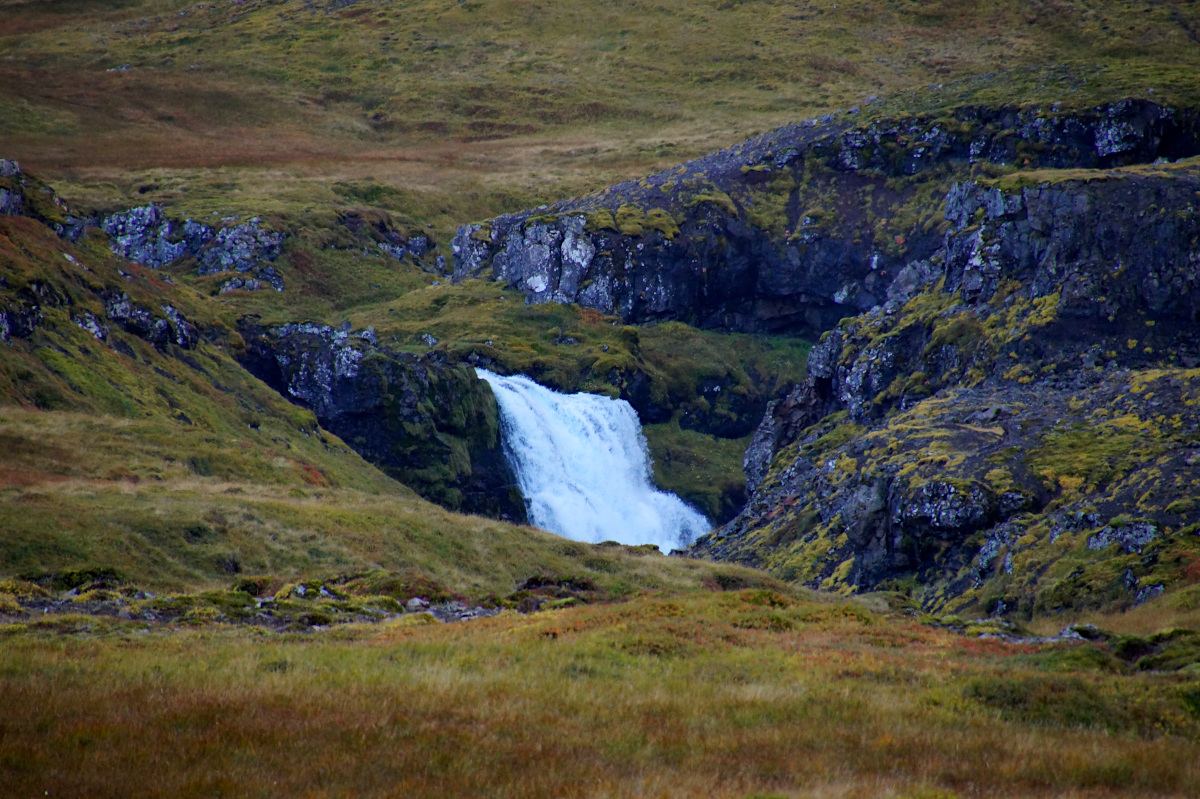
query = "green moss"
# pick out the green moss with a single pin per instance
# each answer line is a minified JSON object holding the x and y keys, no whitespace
{"x":840,"y":432}
{"x":1082,"y":658}
{"x":1074,"y":702}
{"x":768,"y":208}
{"x":1183,"y":506}
{"x":1096,"y":455}
{"x":662,"y":221}
{"x":629,"y":220}
{"x":714,"y":197}
{"x":601,"y":220}
{"x":706,"y":472}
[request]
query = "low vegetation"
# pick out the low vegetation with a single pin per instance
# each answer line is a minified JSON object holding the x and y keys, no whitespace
{"x":751,"y":692}
{"x":203,"y":593}
{"x":457,"y":111}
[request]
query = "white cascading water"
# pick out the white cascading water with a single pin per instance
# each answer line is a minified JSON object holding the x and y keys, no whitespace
{"x":583,"y":467}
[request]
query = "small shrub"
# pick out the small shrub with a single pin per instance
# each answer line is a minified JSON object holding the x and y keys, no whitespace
{"x":23,"y":589}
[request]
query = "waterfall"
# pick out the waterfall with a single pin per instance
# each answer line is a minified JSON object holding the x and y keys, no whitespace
{"x":583,"y":467}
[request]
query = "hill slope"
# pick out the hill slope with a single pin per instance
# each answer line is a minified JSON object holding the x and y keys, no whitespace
{"x":287,"y":127}
{"x":137,"y":447}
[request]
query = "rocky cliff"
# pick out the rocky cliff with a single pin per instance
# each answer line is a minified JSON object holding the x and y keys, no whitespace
{"x":1017,"y":425}
{"x":800,"y":227}
{"x":431,"y":424}
{"x":1002,"y":411}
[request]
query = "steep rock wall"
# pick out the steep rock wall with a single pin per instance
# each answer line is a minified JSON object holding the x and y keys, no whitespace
{"x":1016,"y":426}
{"x":800,"y":227}
{"x":431,"y":424}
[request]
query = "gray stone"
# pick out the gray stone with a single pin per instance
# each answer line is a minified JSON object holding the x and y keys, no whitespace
{"x":240,"y":248}
{"x":469,"y":252}
{"x":1131,"y":537}
{"x":91,"y":324}
{"x":143,"y":235}
{"x":11,"y":203}
{"x":1147,"y":594}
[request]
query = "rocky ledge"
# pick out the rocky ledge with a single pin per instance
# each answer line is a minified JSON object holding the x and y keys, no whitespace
{"x":1002,"y":413}
{"x":800,"y":227}
{"x":243,"y":253}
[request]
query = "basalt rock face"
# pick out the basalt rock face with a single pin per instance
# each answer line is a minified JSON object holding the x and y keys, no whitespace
{"x":799,"y":228}
{"x":431,"y":424}
{"x":248,"y":250}
{"x":25,"y":309}
{"x":1017,"y":426}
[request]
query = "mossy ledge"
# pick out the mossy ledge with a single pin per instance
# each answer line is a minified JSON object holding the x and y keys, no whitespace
{"x":800,"y":227}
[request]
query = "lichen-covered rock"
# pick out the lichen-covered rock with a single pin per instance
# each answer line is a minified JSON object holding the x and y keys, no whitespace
{"x":429,"y":423}
{"x":24,"y":310}
{"x":89,"y":322}
{"x":240,"y":248}
{"x":145,"y":236}
{"x":169,"y":327}
{"x":1130,"y":537}
{"x":11,"y":203}
{"x":470,"y":247}
{"x":982,"y":438}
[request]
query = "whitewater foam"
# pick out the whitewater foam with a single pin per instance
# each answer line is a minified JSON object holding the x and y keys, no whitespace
{"x":583,"y":467}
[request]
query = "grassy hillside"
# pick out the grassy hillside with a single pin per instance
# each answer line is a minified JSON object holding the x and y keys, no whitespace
{"x":478,"y":108}
{"x":162,"y":462}
{"x":426,"y":114}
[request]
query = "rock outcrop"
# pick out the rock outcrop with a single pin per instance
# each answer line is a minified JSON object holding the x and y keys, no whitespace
{"x":1016,"y":427}
{"x":801,"y":227}
{"x":1002,"y":406}
{"x":93,"y":308}
{"x":246,"y":252}
{"x":146,"y":236}
{"x":22,"y":311}
{"x":431,"y":424}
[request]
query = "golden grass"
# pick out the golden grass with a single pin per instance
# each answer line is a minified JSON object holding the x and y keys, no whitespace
{"x":733,"y":694}
{"x":502,"y":105}
{"x":82,"y":492}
